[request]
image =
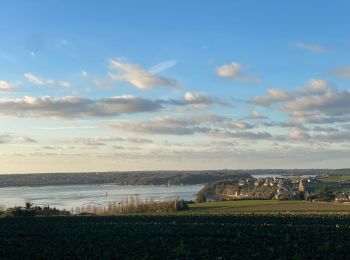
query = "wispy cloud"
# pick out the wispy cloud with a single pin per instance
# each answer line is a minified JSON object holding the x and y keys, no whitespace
{"x":162,"y":66}
{"x":65,"y":128}
{"x":37,"y":80}
{"x":343,"y":72}
{"x":104,"y":140}
{"x":64,"y":84}
{"x":15,"y":139}
{"x":102,"y":84}
{"x":310,"y":47}
{"x":137,"y":76}
{"x":160,"y":125}
{"x":83,"y":73}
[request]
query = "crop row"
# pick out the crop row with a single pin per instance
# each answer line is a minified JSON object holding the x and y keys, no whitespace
{"x":161,"y":237}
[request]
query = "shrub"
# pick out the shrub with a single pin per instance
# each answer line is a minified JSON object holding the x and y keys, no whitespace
{"x":135,"y":205}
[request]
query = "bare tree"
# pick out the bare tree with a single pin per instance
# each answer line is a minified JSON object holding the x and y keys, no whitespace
{"x":2,"y":207}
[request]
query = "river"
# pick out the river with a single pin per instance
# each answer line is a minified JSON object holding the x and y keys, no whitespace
{"x":70,"y":196}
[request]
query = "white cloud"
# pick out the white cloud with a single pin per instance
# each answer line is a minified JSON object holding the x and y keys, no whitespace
{"x":138,"y":77}
{"x":80,"y":107}
{"x":316,"y":86}
{"x":5,"y":86}
{"x":197,"y":100}
{"x":310,"y":47}
{"x":256,"y":115}
{"x":76,"y":107}
{"x":277,"y":95}
{"x":328,"y":103}
{"x":274,"y":95}
{"x":234,"y":71}
{"x":65,"y":84}
{"x":239,"y":125}
{"x":315,"y":103}
{"x":316,"y":117}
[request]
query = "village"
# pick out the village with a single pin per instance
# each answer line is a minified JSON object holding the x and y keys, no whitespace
{"x":310,"y":188}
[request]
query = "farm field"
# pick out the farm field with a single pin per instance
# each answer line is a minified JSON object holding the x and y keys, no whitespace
{"x":268,"y":207}
{"x":335,"y":178}
{"x":176,"y":237}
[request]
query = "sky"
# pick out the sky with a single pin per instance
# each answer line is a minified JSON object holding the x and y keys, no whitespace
{"x":174,"y":85}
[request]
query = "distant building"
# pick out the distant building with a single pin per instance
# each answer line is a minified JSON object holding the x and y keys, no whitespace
{"x":301,"y":185}
{"x":342,"y":197}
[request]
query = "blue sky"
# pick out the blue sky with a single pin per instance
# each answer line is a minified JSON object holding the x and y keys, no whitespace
{"x":132,"y":85}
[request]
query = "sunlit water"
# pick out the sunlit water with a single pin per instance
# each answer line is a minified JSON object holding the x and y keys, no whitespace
{"x":70,"y":196}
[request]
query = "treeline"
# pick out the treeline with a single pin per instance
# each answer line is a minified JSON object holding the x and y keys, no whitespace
{"x":29,"y":211}
{"x":140,"y":177}
{"x":120,"y":178}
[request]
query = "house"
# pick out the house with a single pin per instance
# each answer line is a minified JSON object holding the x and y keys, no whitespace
{"x":342,"y":197}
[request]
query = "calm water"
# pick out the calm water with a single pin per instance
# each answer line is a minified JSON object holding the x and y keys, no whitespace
{"x":260,"y":176}
{"x":70,"y":196}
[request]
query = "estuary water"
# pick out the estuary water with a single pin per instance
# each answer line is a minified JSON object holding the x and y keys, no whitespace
{"x":70,"y":196}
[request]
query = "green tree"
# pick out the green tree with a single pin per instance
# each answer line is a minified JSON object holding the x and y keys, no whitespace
{"x":325,"y":194}
{"x":200,"y":197}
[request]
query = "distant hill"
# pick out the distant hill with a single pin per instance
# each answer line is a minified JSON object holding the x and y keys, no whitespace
{"x":121,"y":178}
{"x":140,"y":177}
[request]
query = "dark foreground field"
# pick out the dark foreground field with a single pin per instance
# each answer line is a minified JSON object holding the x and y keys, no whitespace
{"x":181,"y":237}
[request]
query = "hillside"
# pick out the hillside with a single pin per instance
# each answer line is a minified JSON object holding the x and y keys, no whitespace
{"x":120,"y":178}
{"x":146,"y":177}
{"x":234,"y":189}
